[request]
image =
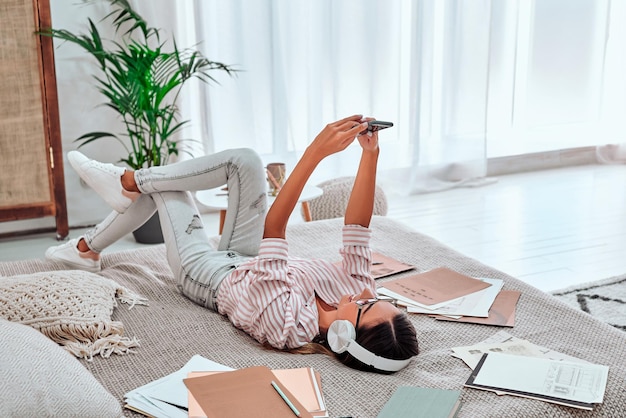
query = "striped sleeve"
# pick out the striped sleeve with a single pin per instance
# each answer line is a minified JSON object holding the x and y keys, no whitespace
{"x":274,"y":248}
{"x":356,"y":252}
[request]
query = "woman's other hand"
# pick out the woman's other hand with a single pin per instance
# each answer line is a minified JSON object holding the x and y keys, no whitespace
{"x":368,"y":140}
{"x":336,"y":136}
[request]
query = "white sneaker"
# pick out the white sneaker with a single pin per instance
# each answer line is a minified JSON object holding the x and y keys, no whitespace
{"x":68,"y":255}
{"x":104,"y":179}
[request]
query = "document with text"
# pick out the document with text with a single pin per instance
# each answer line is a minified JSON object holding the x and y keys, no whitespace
{"x":580,"y":385}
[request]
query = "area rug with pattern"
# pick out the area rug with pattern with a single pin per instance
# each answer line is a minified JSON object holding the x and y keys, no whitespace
{"x":603,"y":299}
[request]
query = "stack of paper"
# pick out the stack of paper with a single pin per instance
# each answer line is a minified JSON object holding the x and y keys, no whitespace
{"x":170,"y":397}
{"x":249,"y":392}
{"x":306,"y":385}
{"x":448,"y":295}
{"x":167,"y":396}
{"x":503,"y":342}
{"x":303,"y":383}
{"x":506,"y":364}
{"x":579,"y":385}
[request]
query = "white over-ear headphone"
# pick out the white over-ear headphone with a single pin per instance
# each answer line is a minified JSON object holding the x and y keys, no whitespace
{"x":340,"y":337}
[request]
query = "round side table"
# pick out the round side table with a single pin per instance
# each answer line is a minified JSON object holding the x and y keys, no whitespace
{"x":218,"y":199}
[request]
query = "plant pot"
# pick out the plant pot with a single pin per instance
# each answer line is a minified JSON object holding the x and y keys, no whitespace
{"x":150,"y":232}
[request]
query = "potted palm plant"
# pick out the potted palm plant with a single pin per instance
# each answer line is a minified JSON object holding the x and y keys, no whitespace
{"x":141,"y":82}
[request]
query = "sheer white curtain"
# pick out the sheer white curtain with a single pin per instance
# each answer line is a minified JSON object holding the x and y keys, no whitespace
{"x":450,"y":67}
{"x":422,"y":65}
{"x":548,"y":75}
{"x":557,"y":77}
{"x":555,"y":71}
{"x":613,"y":102}
{"x":304,"y":64}
{"x":462,"y":81}
{"x":526,"y":76}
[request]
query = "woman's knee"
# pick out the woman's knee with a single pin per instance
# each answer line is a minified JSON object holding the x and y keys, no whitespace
{"x":249,"y":158}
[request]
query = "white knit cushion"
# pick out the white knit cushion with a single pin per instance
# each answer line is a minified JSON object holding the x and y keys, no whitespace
{"x":73,"y":308}
{"x":332,"y":203}
{"x":40,"y":379}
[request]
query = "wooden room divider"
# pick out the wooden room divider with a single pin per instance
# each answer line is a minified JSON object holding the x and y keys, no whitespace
{"x":31,"y":157}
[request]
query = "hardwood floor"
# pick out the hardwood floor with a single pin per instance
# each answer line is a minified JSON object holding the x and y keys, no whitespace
{"x":550,"y":228}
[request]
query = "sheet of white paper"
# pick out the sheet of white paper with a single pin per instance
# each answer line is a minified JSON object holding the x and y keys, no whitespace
{"x":173,"y":389}
{"x":475,"y":304}
{"x":166,"y":396}
{"x":318,"y":391}
{"x":505,"y":337}
{"x":555,"y":355}
{"x":499,"y":337}
{"x":471,"y":355}
{"x":403,"y":301}
{"x":562,"y":379}
{"x":155,"y":407}
{"x":137,"y":401}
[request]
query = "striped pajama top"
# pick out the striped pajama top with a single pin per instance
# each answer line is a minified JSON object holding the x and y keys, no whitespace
{"x":272,"y":296}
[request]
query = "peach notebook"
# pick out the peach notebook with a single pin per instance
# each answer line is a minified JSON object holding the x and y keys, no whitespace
{"x":383,"y":266}
{"x":435,"y":286}
{"x":303,"y":386}
{"x":501,"y":313}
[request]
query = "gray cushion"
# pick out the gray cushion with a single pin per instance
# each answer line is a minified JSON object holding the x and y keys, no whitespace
{"x":40,"y":379}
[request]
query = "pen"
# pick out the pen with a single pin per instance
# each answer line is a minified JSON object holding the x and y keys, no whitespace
{"x":286,"y":399}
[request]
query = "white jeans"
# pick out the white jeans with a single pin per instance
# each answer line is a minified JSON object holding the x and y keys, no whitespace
{"x":198,"y":268}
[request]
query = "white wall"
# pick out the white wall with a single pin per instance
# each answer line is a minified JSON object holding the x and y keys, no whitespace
{"x":80,"y":107}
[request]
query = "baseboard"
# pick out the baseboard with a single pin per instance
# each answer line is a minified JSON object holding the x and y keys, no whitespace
{"x":541,"y":160}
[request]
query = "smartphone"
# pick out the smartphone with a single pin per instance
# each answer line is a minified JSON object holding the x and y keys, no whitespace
{"x":376,"y":125}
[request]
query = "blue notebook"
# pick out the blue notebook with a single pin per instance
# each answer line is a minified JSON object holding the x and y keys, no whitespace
{"x":418,"y":402}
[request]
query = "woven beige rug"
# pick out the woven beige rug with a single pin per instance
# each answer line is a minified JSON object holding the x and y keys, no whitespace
{"x":172,"y":329}
{"x":604,"y":299}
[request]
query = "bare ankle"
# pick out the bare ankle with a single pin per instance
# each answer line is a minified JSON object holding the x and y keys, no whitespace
{"x":128,"y":181}
{"x":82,"y":246}
{"x":85,"y":251}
